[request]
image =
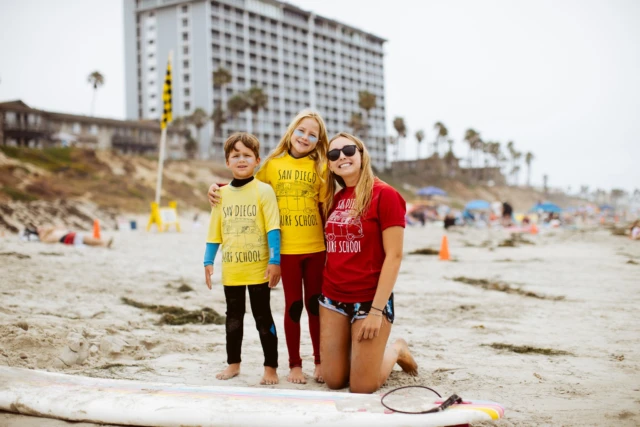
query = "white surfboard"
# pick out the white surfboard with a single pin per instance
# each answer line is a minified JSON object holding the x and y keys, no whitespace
{"x":138,"y":403}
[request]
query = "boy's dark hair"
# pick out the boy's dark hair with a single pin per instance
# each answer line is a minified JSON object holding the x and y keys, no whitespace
{"x":249,"y":141}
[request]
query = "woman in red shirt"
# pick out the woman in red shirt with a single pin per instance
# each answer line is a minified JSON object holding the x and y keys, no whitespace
{"x":364,"y":235}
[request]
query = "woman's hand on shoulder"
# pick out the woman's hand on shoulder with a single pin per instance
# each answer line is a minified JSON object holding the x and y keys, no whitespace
{"x":214,"y":195}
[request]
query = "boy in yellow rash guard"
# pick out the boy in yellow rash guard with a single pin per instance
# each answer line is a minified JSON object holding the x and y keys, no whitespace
{"x":246,"y":223}
{"x":296,"y":169}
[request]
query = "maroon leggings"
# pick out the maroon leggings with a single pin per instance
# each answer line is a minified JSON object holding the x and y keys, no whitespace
{"x":296,"y":270}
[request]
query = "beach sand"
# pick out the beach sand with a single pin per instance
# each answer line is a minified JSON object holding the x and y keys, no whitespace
{"x":584,"y":293}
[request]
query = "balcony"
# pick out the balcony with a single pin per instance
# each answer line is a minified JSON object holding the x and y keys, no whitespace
{"x":133,"y":144}
{"x":25,"y":130}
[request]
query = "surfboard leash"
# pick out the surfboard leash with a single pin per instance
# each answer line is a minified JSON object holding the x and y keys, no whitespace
{"x":452,"y":400}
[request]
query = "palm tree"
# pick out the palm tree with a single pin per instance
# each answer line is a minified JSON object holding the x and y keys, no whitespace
{"x":218,"y":117}
{"x":191,"y":146}
{"x":198,"y":118}
{"x":237,"y":104}
{"x":516,"y":168}
{"x":512,"y":151}
{"x":496,"y":152}
{"x":356,"y":123}
{"x":441,"y":134}
{"x":450,"y":143}
{"x":96,"y":79}
{"x":256,"y":100}
{"x":528,"y":158}
{"x":221,"y":78}
{"x":401,"y":128}
{"x":419,"y":137}
{"x":366,"y":102}
{"x":178,"y":123}
{"x":471,"y":137}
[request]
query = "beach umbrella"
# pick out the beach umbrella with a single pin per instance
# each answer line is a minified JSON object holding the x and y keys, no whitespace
{"x":431,"y":191}
{"x":546,"y":207}
{"x":606,"y":207}
{"x":478,"y":205}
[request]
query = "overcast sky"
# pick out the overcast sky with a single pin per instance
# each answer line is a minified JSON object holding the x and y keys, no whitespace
{"x":558,"y":77}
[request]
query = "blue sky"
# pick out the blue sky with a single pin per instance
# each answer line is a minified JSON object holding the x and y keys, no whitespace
{"x":559,"y":78}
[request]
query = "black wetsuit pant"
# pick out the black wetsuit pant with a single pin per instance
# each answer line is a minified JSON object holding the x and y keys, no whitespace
{"x":259,"y":297}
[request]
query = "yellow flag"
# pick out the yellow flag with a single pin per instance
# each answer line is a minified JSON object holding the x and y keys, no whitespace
{"x":166,"y":98}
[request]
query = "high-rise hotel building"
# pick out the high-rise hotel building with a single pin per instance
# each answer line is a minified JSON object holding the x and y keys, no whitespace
{"x":299,"y":59}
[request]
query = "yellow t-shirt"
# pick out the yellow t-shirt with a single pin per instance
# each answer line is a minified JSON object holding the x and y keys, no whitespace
{"x":299,"y":189}
{"x":241,"y":223}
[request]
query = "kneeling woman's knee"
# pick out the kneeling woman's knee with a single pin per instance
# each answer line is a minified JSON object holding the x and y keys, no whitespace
{"x":335,"y":382}
{"x":364,"y":387}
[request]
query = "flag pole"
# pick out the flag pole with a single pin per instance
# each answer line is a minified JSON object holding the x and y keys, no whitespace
{"x":163,"y":138}
{"x":166,"y":118}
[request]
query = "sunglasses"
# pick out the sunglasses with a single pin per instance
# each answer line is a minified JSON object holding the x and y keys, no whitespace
{"x":348,"y":150}
{"x":311,"y":138}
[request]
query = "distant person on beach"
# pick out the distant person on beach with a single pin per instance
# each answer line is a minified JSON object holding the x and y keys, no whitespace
{"x":635,"y":230}
{"x":364,"y":232}
{"x":53,"y":234}
{"x":449,"y":220}
{"x":507,"y":213}
{"x":246,"y":222}
{"x":296,"y":170}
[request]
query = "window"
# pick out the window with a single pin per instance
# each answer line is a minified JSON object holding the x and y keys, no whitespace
{"x":185,"y":64}
{"x":93,"y":130}
{"x":185,"y":50}
{"x":185,"y":9}
{"x":185,"y":37}
{"x":187,"y":106}
{"x":186,"y":78}
{"x":185,"y":22}
{"x":187,"y":92}
{"x":151,"y":41}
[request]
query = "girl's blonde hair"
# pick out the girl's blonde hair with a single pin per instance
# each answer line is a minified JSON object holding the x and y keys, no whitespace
{"x":364,"y":187}
{"x":318,"y":154}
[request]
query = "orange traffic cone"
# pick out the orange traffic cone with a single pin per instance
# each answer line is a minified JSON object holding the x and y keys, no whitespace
{"x":96,"y":228}
{"x":534,"y":228}
{"x":444,"y":249}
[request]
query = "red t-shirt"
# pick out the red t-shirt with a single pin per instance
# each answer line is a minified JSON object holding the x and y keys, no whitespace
{"x":355,"y":253}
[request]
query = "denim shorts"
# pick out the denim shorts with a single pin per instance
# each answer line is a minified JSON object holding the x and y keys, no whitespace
{"x":356,"y":310}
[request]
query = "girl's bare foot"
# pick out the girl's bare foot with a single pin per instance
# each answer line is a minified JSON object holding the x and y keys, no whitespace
{"x":270,"y":376}
{"x":231,"y":371}
{"x":405,"y":359}
{"x":317,"y":374}
{"x":296,"y":376}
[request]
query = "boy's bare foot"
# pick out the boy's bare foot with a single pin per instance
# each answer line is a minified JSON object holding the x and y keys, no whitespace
{"x":270,"y":376}
{"x":296,"y":376}
{"x":231,"y":371}
{"x":317,"y":374}
{"x":405,"y":359}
